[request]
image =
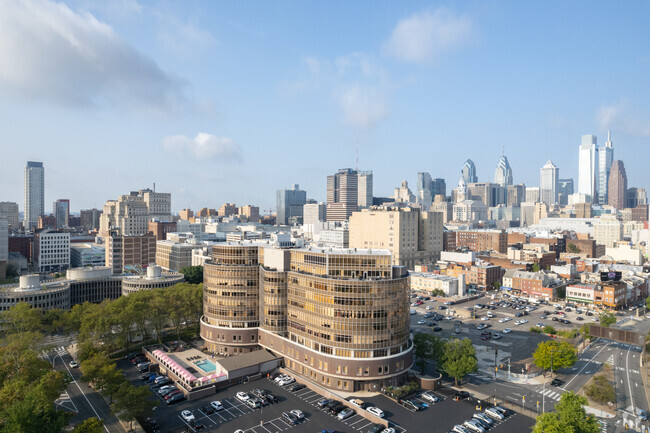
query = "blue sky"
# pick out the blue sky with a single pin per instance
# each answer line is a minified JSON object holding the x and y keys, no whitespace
{"x":220,"y":101}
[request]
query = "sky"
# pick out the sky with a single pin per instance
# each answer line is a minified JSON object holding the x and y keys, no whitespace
{"x":228,"y":101}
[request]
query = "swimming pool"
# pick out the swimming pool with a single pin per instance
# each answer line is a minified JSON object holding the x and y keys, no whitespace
{"x":206,"y":365}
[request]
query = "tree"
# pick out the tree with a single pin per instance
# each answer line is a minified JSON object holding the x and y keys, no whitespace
{"x":572,"y":248}
{"x":90,"y":425}
{"x":607,"y":319}
{"x":132,"y":402}
{"x":553,"y":355}
{"x":459,"y":358}
{"x":193,"y":274}
{"x":22,"y":318}
{"x":427,"y":348}
{"x":647,"y":302}
{"x":536,"y":267}
{"x":601,"y":390}
{"x":569,"y":417}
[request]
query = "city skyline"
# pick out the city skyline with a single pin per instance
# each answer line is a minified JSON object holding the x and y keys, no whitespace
{"x":477,"y":78}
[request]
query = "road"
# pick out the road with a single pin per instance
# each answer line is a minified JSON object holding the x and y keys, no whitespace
{"x":79,"y":397}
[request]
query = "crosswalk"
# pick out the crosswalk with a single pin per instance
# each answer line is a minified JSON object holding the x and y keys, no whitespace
{"x":549,"y":393}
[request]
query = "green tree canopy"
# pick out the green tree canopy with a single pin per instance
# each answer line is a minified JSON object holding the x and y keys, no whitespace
{"x":459,"y":358}
{"x":132,"y":402}
{"x":572,"y":248}
{"x":607,"y":319}
{"x":554,"y":355}
{"x":193,"y":274}
{"x":601,"y":390}
{"x":90,"y":425}
{"x":569,"y":417}
{"x":427,"y":348}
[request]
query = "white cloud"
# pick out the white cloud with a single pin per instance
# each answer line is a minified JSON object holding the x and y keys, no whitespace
{"x":204,"y":146}
{"x":625,"y":117}
{"x":50,"y":52}
{"x":424,"y":36}
{"x":362,"y":106}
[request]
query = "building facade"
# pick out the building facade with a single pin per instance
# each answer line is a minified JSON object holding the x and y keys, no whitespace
{"x":548,"y":183}
{"x":52,"y":251}
{"x":153,"y":279}
{"x":588,"y":167}
{"x":617,"y":185}
{"x":9,"y":211}
{"x":338,"y":317}
{"x":130,"y":254}
{"x":61,"y":213}
{"x":468,"y":172}
{"x":290,"y":203}
{"x":605,"y":160}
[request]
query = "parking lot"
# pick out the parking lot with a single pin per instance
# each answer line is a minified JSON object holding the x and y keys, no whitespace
{"x":237,"y":415}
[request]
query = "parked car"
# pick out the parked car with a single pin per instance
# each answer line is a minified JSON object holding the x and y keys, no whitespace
{"x":408,"y":404}
{"x":187,"y":415}
{"x":296,"y":387}
{"x":494,"y":414}
{"x":459,"y":429}
{"x":345,"y":414}
{"x":461,"y":395}
{"x":257,"y":392}
{"x":376,"y":411}
{"x":253,"y":403}
{"x":172,"y":394}
{"x":323,"y":402}
{"x":197,"y":425}
{"x":166,"y":389}
{"x":358,"y":403}
{"x":497,"y":336}
{"x":175,"y":399}
{"x":430,"y":397}
{"x":299,"y":414}
{"x":289,"y":417}
{"x":474,"y":426}
{"x":271,"y":398}
{"x":242,"y":396}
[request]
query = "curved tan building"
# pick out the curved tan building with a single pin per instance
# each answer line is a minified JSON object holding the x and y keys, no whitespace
{"x":338,"y":317}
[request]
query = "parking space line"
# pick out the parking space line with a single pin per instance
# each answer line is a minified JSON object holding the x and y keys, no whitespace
{"x":358,"y":421}
{"x":363,"y":427}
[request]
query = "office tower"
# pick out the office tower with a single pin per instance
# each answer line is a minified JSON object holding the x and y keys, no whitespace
{"x":161,"y":228}
{"x":342,"y":194}
{"x":438,"y":187}
{"x":314,"y":213}
{"x":9,"y":210}
{"x":605,"y":159}
{"x":61,"y":212}
{"x":489,"y":193}
{"x":424,"y":193}
{"x":588,"y":167}
{"x":413,"y":236}
{"x":444,"y":207}
{"x":52,"y":251}
{"x":130,"y":214}
{"x":548,"y":180}
{"x":90,"y":218}
{"x":636,"y":197}
{"x":503,"y":173}
{"x":4,"y":247}
{"x":516,"y":194}
{"x":364,"y":193}
{"x":289,"y":204}
{"x":617,"y":185}
{"x":532,"y":194}
{"x":289,"y":301}
{"x":469,"y":172}
{"x":34,"y":193}
{"x":607,"y":229}
{"x":564,"y":190}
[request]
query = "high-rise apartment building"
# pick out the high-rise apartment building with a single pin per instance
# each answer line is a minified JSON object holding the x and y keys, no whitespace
{"x":588,"y":167}
{"x":503,"y":173}
{"x":608,"y":230}
{"x":338,"y":317}
{"x":483,"y":240}
{"x":161,"y":228}
{"x":289,"y":204}
{"x":617,"y":185}
{"x":605,"y":159}
{"x":186,"y":214}
{"x":61,"y":213}
{"x":532,"y":194}
{"x":412,"y":236}
{"x":34,"y":193}
{"x":342,"y":194}
{"x":9,"y":211}
{"x":227,"y":209}
{"x":251,"y":213}
{"x":468,"y":172}
{"x":129,"y":215}
{"x":548,"y":183}
{"x":515,"y":194}
{"x":424,"y":195}
{"x":364,"y":189}
{"x":564,"y":190}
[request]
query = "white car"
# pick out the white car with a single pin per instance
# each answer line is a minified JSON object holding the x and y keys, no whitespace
{"x":430,"y":397}
{"x":523,"y":321}
{"x":421,"y":322}
{"x":388,"y":430}
{"x":376,"y":411}
{"x":298,"y":413}
{"x":216,"y":405}
{"x":286,"y":381}
{"x":474,"y":426}
{"x":187,"y":415}
{"x":73,"y":364}
{"x":493,"y":413}
{"x":449,"y":317}
{"x":429,"y":307}
{"x":486,"y":419}
{"x":485,"y":318}
{"x":518,"y":322}
{"x":460,"y":429}
{"x":356,"y":402}
{"x":242,"y":396}
{"x":506,"y":331}
{"x":165,"y":388}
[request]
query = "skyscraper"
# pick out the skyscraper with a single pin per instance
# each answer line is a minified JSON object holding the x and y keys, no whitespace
{"x":438,"y":187}
{"x":364,"y":189}
{"x":548,"y":176}
{"x":617,"y":185}
{"x":588,"y":167}
{"x":290,"y":204}
{"x":469,"y":172}
{"x":34,"y":193}
{"x":424,"y":195}
{"x":348,"y":191}
{"x":61,"y":212}
{"x":605,"y":158}
{"x":565,"y":189}
{"x":503,"y":172}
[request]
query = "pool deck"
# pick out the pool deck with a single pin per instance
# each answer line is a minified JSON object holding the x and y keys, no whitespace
{"x":189,"y":357}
